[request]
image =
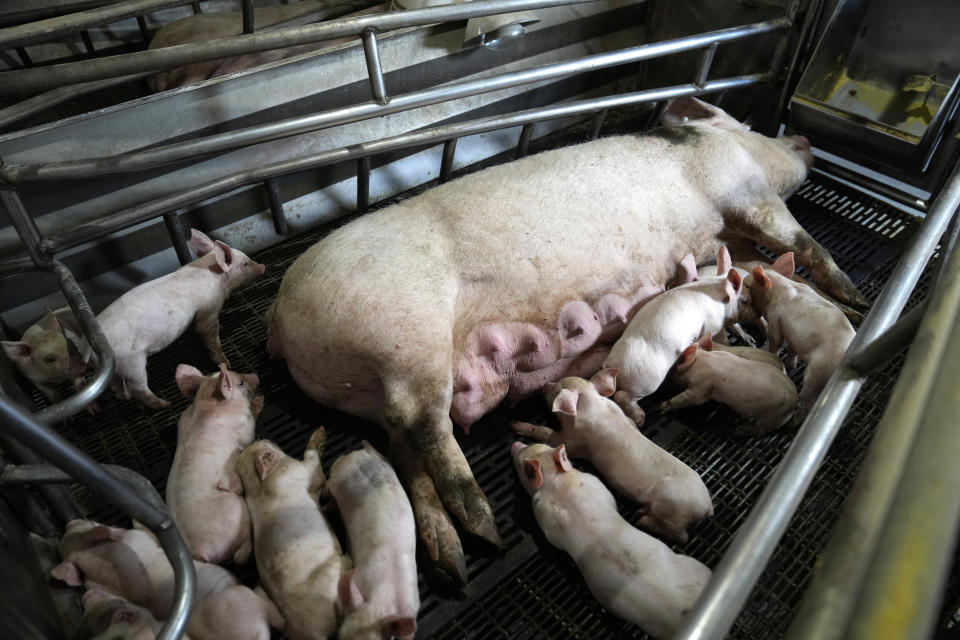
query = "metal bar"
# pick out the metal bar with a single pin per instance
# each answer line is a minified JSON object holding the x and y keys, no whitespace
{"x":63,"y":25}
{"x":57,"y":96}
{"x":596,"y":122}
{"x":87,"y":42}
{"x":748,"y":554}
{"x":372,"y":53}
{"x":446,"y":160}
{"x":363,"y":184}
{"x":197,"y":9}
{"x":276,"y":207}
{"x":58,"y":499}
{"x":175,"y":231}
{"x":144,"y":30}
{"x":706,"y":61}
{"x":24,"y":57}
{"x":248,"y":24}
{"x":25,"y":428}
{"x":779,"y":51}
{"x":145,"y":211}
{"x":294,"y":126}
{"x":25,"y":226}
{"x":806,"y":32}
{"x":869,"y":357}
{"x":829,"y":168}
{"x":523,"y":143}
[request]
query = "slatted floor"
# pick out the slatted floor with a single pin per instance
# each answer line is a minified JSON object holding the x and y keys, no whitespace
{"x":532,"y":590}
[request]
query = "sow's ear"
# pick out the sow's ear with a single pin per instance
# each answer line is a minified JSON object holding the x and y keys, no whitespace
{"x":188,"y":379}
{"x":560,"y":457}
{"x":531,"y":469}
{"x":348,"y":592}
{"x":685,"y":361}
{"x":605,"y":381}
{"x":566,"y":402}
{"x":200,"y":242}
{"x":687,"y":109}
{"x":784,"y":265}
{"x":761,"y":278}
{"x":732,"y":285}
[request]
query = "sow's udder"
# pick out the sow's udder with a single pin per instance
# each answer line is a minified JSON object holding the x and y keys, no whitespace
{"x":515,"y":359}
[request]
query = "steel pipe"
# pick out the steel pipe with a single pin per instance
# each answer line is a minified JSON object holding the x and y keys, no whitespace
{"x":706,"y":61}
{"x":43,"y":440}
{"x":247,"y":10}
{"x":177,"y":239}
{"x":63,"y":25}
{"x":153,"y":208}
{"x":32,"y":80}
{"x":276,"y":207}
{"x":595,"y":123}
{"x":446,"y":160}
{"x":748,"y":554}
{"x":363,"y":184}
{"x":523,"y":142}
{"x":371,"y":52}
{"x":25,"y":173}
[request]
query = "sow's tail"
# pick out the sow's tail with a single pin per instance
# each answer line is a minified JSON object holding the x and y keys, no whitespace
{"x":273,"y":342}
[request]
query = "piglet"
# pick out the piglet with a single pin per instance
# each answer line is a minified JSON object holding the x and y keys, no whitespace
{"x":671,"y":495}
{"x":757,"y":390}
{"x":663,"y":327}
{"x":204,"y":492}
{"x":130,"y":563}
{"x":632,"y":574}
{"x":298,"y":556}
{"x":379,"y":597}
{"x":707,"y":343}
{"x":109,"y":616}
{"x":152,"y":315}
{"x":813,"y":328}
{"x":47,"y":353}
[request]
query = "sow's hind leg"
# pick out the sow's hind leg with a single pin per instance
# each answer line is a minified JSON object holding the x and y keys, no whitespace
{"x":417,"y":412}
{"x":770,"y":223}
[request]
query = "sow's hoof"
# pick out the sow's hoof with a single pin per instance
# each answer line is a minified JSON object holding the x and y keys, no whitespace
{"x":463,"y":498}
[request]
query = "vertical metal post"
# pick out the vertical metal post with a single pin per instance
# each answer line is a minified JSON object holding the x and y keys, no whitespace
{"x":276,"y":207}
{"x":25,"y":225}
{"x":595,"y":123}
{"x":363,"y":184}
{"x":24,"y":57}
{"x":144,"y":31}
{"x":705,"y":63}
{"x":446,"y":163}
{"x":87,"y":42}
{"x":248,"y":16}
{"x":372,"y":53}
{"x":175,"y":229}
{"x":523,"y":144}
{"x":197,"y":9}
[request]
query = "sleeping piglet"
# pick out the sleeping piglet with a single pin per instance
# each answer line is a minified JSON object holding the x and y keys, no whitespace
{"x":298,"y":555}
{"x":380,"y":597}
{"x":813,"y":328}
{"x":663,"y":327}
{"x":152,"y":315}
{"x":758,"y":390}
{"x":632,"y":574}
{"x":204,"y":493}
{"x":110,"y":617}
{"x":131,"y":563}
{"x":671,"y":495}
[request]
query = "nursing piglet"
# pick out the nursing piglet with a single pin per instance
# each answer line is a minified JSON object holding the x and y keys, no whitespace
{"x":298,"y":556}
{"x":813,"y":328}
{"x":47,"y":353}
{"x":632,"y":574}
{"x":671,"y":495}
{"x":758,"y":390}
{"x":130,"y":563}
{"x":110,"y":617}
{"x":663,"y":328}
{"x":204,"y":492}
{"x":152,"y":315}
{"x":379,"y":597}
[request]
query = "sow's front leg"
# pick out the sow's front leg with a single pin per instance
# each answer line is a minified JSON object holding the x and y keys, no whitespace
{"x":431,"y":465}
{"x":769,"y":222}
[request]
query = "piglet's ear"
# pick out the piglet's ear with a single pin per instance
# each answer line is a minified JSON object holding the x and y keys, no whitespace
{"x":69,"y":573}
{"x":200,"y":242}
{"x":348,"y":592}
{"x":17,"y":351}
{"x":605,"y":381}
{"x":762,"y":280}
{"x":706,"y":341}
{"x":224,"y":383}
{"x":687,"y":357}
{"x":401,"y":627}
{"x":188,"y":379}
{"x":531,"y":469}
{"x":224,"y":256}
{"x":724,"y":263}
{"x":784,"y":265}
{"x":566,"y":402}
{"x":560,"y":457}
{"x":265,"y":461}
{"x":49,"y":322}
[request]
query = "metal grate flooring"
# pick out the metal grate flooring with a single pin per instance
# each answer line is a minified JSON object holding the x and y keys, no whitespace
{"x":532,"y":590}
